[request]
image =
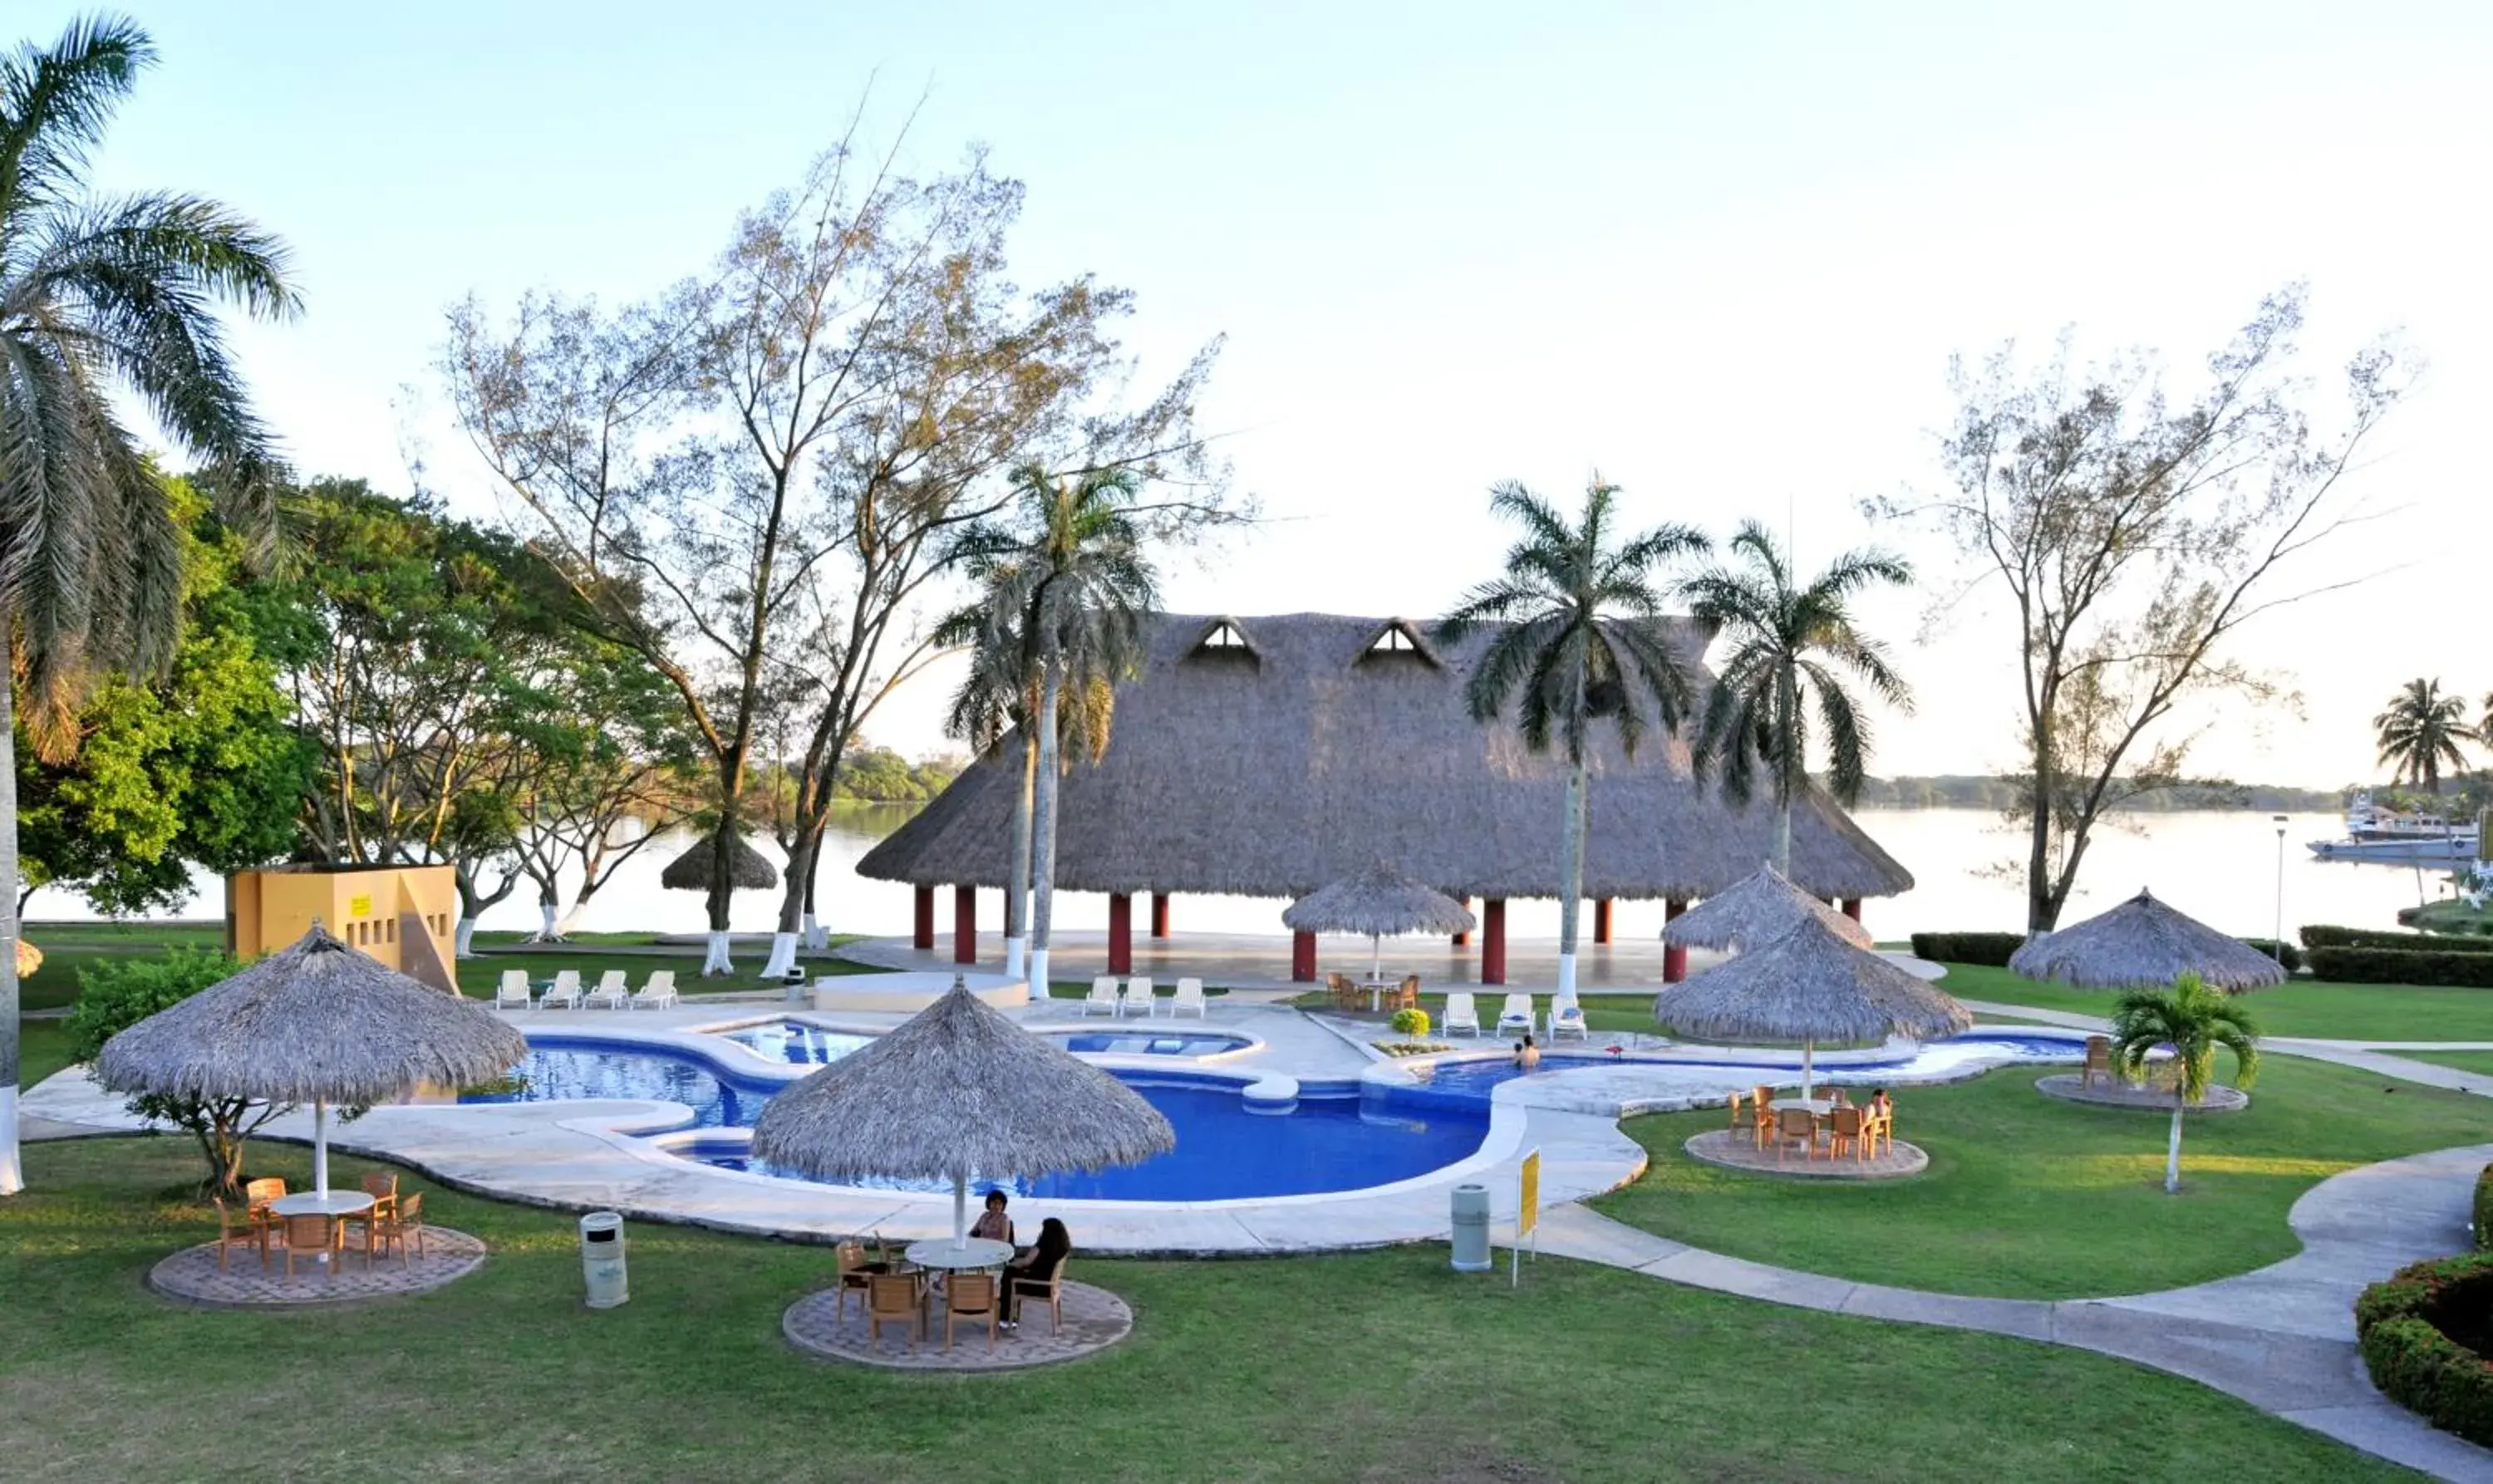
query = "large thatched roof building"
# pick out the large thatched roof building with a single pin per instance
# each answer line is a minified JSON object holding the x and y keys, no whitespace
{"x":1266,"y":756}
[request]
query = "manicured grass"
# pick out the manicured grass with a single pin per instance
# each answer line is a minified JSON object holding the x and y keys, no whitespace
{"x":2465,"y":1062}
{"x":1381,"y":1367}
{"x":43,"y":1048}
{"x":2030,"y":1198}
{"x":2301,"y":1007}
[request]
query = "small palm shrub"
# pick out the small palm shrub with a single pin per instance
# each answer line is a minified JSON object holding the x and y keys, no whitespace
{"x":1410,"y":1022}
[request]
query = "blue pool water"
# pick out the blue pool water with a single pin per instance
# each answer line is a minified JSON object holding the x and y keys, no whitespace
{"x":1147,"y":1043}
{"x":1479,"y":1078}
{"x":797,"y":1044}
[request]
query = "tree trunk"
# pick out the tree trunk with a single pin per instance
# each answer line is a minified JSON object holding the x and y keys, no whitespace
{"x":2172,"y":1152}
{"x":1044,"y":832}
{"x":816,"y":939}
{"x":791,"y":905}
{"x":1791,"y":774}
{"x":1572,"y":891}
{"x":2042,"y":913}
{"x":11,"y":1179}
{"x":722,"y":892}
{"x":1017,"y":884}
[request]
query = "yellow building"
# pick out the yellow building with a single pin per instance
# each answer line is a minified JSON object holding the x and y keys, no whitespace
{"x":402,"y":915}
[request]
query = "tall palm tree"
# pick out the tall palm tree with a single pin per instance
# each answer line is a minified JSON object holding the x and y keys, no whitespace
{"x":1080,"y":588}
{"x":1789,"y":649}
{"x":1578,"y":645}
{"x":2419,"y":733}
{"x":2195,"y":1022}
{"x":98,"y":296}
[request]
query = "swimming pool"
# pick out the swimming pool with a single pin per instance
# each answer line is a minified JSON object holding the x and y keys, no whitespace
{"x":1480,"y":1078}
{"x":1146,"y":1043}
{"x":796,"y":1043}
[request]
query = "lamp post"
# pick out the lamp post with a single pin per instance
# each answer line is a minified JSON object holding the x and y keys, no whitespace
{"x":2278,"y":941}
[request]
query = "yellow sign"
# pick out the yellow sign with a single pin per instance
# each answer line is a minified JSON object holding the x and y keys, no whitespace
{"x":359,"y":906}
{"x":1527,"y":1215}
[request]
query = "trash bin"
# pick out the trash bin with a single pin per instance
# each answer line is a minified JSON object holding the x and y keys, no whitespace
{"x":1471,"y":1229}
{"x":601,"y":1258}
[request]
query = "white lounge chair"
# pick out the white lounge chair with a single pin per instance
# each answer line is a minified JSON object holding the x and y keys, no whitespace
{"x":1567,"y":1018}
{"x":1514,"y":1017}
{"x":658,"y":992}
{"x":1102,"y":997}
{"x":610,"y":992}
{"x":1461,"y":1013}
{"x":512,"y":992}
{"x":1189,"y":996}
{"x":1139,"y":996}
{"x":565,"y":990}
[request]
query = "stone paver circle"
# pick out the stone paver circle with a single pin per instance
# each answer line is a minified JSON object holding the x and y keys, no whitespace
{"x":1739,"y":1151}
{"x":2072,"y":1088}
{"x":1094,"y":1319}
{"x":191,"y":1275}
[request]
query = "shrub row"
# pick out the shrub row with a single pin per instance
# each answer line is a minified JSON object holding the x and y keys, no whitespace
{"x":1991,"y":950}
{"x":2391,"y":966}
{"x":2284,"y":953}
{"x":2485,"y":1210}
{"x":2321,"y":935}
{"x":2397,"y":1324}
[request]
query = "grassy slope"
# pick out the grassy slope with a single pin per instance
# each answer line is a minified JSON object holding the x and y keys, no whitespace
{"x":1378,"y":1367}
{"x":2030,"y":1197}
{"x":2465,"y":1062}
{"x":2352,"y":1012}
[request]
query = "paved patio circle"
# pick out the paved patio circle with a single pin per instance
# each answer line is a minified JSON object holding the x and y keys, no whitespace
{"x":1739,"y":1151}
{"x":2072,"y":1088}
{"x":1095,"y":1318}
{"x":191,"y":1274}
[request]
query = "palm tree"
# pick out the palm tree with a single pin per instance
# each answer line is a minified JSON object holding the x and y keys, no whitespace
{"x":2194,"y":1021}
{"x":2420,"y":731}
{"x":1789,"y":647}
{"x":1579,"y":645}
{"x":1080,"y":589}
{"x":98,"y":297}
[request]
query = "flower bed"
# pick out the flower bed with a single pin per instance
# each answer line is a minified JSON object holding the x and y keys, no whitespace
{"x":2423,"y":1335}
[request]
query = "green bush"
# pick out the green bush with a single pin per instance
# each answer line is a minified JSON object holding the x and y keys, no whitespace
{"x":117,"y":994}
{"x":2391,"y":966}
{"x":2284,"y":953}
{"x":2322,"y":936}
{"x":1410,"y":1022}
{"x":2416,"y":1332}
{"x":2485,"y":1210}
{"x":1989,"y":950}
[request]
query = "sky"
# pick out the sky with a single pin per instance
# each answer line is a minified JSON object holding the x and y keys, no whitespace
{"x":1721,"y":253}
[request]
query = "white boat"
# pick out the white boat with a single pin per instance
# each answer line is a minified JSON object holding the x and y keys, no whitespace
{"x":2377,"y":834}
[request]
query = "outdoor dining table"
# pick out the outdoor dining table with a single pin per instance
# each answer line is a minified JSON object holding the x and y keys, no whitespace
{"x":1819,"y":1108}
{"x":333,"y":1205}
{"x":976,"y":1252}
{"x":1376,"y":985}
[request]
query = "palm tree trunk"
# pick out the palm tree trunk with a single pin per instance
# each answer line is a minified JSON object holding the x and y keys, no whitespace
{"x":1791,"y":773}
{"x":1017,"y":884}
{"x":12,"y":1181}
{"x":1043,"y":831}
{"x":1573,"y":889}
{"x":2172,"y":1152}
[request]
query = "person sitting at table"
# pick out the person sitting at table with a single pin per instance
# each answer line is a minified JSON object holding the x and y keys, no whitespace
{"x":1034,"y":1265}
{"x":1527,"y":1056}
{"x":993,"y":1223}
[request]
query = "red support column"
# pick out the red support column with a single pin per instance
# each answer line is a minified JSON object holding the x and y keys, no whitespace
{"x":1303,"y":958}
{"x":965,"y":925}
{"x":1675,"y":959}
{"x":1463,"y":939}
{"x":1159,"y":914}
{"x":1493,"y":940}
{"x":1602,"y":920}
{"x":1121,"y":932}
{"x":1852,"y":907}
{"x":923,"y":935}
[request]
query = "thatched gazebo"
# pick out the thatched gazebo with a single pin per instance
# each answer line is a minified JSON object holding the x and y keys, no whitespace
{"x":314,"y":1022}
{"x":692,"y":870}
{"x":1809,"y":985}
{"x":2143,"y":945}
{"x":957,"y":1090}
{"x":1380,"y":902}
{"x":1757,"y":908}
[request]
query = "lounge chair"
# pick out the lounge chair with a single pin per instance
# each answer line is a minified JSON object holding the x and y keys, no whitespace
{"x":1514,"y":1017}
{"x":565,"y":990}
{"x":1102,"y":997}
{"x":1567,"y":1018}
{"x":611,"y":993}
{"x":658,"y":992}
{"x":512,"y":994}
{"x":1189,"y":996}
{"x":1462,"y":1013}
{"x":1139,"y":996}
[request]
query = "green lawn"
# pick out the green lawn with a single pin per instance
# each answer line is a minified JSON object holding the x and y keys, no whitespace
{"x":1380,"y":1367}
{"x":2030,"y":1197}
{"x":43,"y":1048}
{"x":2465,"y":1062}
{"x":2302,"y":1007}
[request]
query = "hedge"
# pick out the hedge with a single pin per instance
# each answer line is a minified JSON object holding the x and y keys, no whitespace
{"x":1989,"y":950}
{"x":2397,"y":1325}
{"x":2391,"y":966}
{"x":2322,"y":936}
{"x":2485,"y":1210}
{"x":2285,"y":954}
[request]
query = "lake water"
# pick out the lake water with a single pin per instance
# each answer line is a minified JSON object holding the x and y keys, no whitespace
{"x":2219,"y":866}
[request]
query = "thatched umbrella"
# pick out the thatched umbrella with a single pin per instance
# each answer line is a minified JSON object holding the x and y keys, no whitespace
{"x":691,"y":871}
{"x":2143,"y":944}
{"x":957,"y":1090}
{"x":1809,"y":985}
{"x":1379,"y":900}
{"x":315,"y":1023}
{"x":1757,"y":908}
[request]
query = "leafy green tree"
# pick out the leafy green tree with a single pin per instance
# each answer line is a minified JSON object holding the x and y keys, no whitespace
{"x":1788,"y":648}
{"x":2195,"y":1022}
{"x":101,"y":297}
{"x":2419,"y":733}
{"x":117,"y":994}
{"x":1577,"y":643}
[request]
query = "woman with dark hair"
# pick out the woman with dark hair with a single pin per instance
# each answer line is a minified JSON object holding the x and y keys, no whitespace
{"x":993,"y":1223}
{"x":1033,"y":1266}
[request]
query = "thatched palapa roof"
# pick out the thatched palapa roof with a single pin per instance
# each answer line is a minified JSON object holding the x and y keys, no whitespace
{"x":691,"y":871}
{"x":2143,"y":944}
{"x":315,"y":1022}
{"x":1758,"y":908}
{"x":1380,"y":902}
{"x":1807,"y":986}
{"x":1267,"y":756}
{"x":958,"y":1091}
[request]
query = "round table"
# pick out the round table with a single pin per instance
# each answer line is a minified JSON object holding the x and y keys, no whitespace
{"x":1818,"y":1107}
{"x":939,"y":1253}
{"x":311,"y":1203}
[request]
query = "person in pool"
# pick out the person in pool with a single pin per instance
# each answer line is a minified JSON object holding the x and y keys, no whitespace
{"x":1032,"y":1266}
{"x":993,"y":1223}
{"x":1527,"y":1056}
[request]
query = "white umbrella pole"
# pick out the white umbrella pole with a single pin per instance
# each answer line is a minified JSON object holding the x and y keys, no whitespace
{"x":320,"y":1148}
{"x":1375,"y":957}
{"x":960,"y":1211}
{"x":1808,"y":1051}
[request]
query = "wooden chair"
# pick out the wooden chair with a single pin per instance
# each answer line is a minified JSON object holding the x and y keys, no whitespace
{"x":258,"y":1193}
{"x":1406,"y":996}
{"x":1345,"y":994}
{"x":855,"y":1270}
{"x":1847,"y":1127}
{"x":382,"y":1186}
{"x":1739,"y":1119}
{"x":249,"y":1230}
{"x":895,"y":1299}
{"x":1050,"y":1288}
{"x":1792,"y":1123}
{"x":313,"y":1232}
{"x":2098,"y":1067}
{"x":1883,"y":1123}
{"x":1761,"y":1115}
{"x":972,"y":1296}
{"x":403,"y":1229}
